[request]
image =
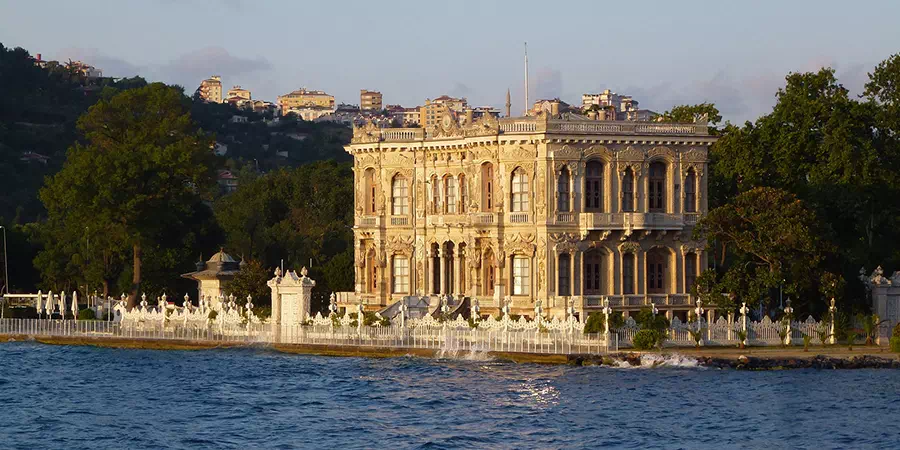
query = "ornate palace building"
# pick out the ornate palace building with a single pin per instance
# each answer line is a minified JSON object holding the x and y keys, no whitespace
{"x":565,"y":210}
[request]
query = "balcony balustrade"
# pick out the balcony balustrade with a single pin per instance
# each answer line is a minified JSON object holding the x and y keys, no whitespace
{"x":519,"y":217}
{"x":399,"y":220}
{"x":638,"y":300}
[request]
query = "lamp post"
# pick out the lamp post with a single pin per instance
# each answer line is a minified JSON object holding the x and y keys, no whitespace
{"x":5,"y":263}
{"x":788,"y":314}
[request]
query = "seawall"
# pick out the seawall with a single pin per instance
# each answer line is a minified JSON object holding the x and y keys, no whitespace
{"x":718,"y":357}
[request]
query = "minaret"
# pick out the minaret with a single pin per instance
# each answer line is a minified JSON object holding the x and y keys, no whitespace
{"x":508,"y":103}
{"x":526,"y":79}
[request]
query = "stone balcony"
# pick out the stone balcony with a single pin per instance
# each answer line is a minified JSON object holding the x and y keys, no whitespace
{"x":634,"y":221}
{"x":531,"y":125}
{"x":638,"y":301}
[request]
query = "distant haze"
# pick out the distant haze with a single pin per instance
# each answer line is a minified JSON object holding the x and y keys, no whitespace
{"x":663,"y":53}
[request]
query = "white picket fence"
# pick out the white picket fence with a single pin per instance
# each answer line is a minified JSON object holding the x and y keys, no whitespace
{"x":491,"y":335}
{"x":445,"y":337}
{"x":724,"y":333}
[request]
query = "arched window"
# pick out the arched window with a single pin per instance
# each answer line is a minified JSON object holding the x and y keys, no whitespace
{"x":656,"y":271}
{"x":690,"y":271}
{"x":449,"y":195}
{"x":628,"y":191}
{"x":690,"y":192}
{"x":369,"y":182}
{"x":399,"y":196}
{"x":593,"y":271}
{"x":435,"y":195}
{"x":593,"y":184}
{"x":519,"y":191}
{"x":463,"y":195}
{"x":657,"y":193}
{"x":487,"y":187}
{"x":400,"y":271}
{"x":563,"y":269}
{"x":562,"y":191}
{"x":628,"y":273}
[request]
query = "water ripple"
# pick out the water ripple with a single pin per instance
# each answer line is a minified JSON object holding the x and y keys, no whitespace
{"x":93,"y":398}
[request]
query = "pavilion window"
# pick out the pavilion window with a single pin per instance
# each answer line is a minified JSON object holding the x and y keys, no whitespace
{"x":400,"y":196}
{"x":628,"y":191}
{"x":628,"y":273}
{"x":449,"y":195}
{"x":562,"y":191}
{"x":593,"y":197}
{"x":400,"y":271}
{"x":593,"y":273}
{"x":657,"y":193}
{"x":521,"y":275}
{"x":487,"y":187}
{"x":690,"y":271}
{"x":564,"y":286}
{"x":435,"y":195}
{"x":519,"y":191}
{"x":656,"y":272}
{"x":690,"y":195}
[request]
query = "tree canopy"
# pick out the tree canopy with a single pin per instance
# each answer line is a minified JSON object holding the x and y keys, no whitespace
{"x":140,"y":173}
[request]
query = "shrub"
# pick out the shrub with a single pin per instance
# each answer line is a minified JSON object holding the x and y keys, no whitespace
{"x":212,"y":314}
{"x":594,"y":323}
{"x":896,"y":332}
{"x":648,"y":321}
{"x":335,"y":321}
{"x":86,"y":314}
{"x":851,"y":338}
{"x":472,"y":323}
{"x":895,"y":344}
{"x":645,"y":339}
{"x":262,"y":312}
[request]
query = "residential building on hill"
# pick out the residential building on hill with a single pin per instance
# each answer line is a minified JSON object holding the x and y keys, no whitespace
{"x":611,"y":106}
{"x":237,"y":92}
{"x":211,"y":89}
{"x":369,"y":100}
{"x":559,"y":209}
{"x":311,"y":103}
{"x":434,"y":110}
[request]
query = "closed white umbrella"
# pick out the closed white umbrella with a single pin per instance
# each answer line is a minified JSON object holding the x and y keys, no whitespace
{"x":39,"y":303}
{"x":48,"y":305}
{"x":62,"y":304}
{"x":75,"y":305}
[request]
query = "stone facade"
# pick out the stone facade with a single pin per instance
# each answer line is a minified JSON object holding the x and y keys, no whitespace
{"x":524,"y":209}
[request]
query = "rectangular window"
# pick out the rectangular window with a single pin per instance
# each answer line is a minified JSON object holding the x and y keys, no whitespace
{"x":564,"y":269}
{"x":690,"y":271}
{"x":628,"y":274}
{"x":450,"y":192}
{"x":401,"y":275}
{"x":401,"y":197}
{"x":521,"y":275}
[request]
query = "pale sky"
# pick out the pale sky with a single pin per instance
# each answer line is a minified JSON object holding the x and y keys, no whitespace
{"x":663,"y":53}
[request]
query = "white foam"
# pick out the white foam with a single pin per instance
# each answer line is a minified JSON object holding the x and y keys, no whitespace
{"x":653,"y":360}
{"x":452,"y":350}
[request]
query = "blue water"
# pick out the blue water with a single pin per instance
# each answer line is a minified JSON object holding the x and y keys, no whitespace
{"x":92,"y":398}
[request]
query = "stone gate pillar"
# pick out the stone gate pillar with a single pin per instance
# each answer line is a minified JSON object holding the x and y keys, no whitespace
{"x":291,"y":297}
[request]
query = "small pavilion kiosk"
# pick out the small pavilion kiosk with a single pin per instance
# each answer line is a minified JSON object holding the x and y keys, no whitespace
{"x":214,"y":274}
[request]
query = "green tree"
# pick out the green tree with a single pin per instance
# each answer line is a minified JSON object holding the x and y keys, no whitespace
{"x":142,"y":169}
{"x":774,"y":237}
{"x":303,"y":216}
{"x":839,"y":154}
{"x":251,"y":280}
{"x":692,"y":113}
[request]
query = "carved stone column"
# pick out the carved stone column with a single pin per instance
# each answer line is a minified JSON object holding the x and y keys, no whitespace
{"x":457,"y":270}
{"x":442,"y":281}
